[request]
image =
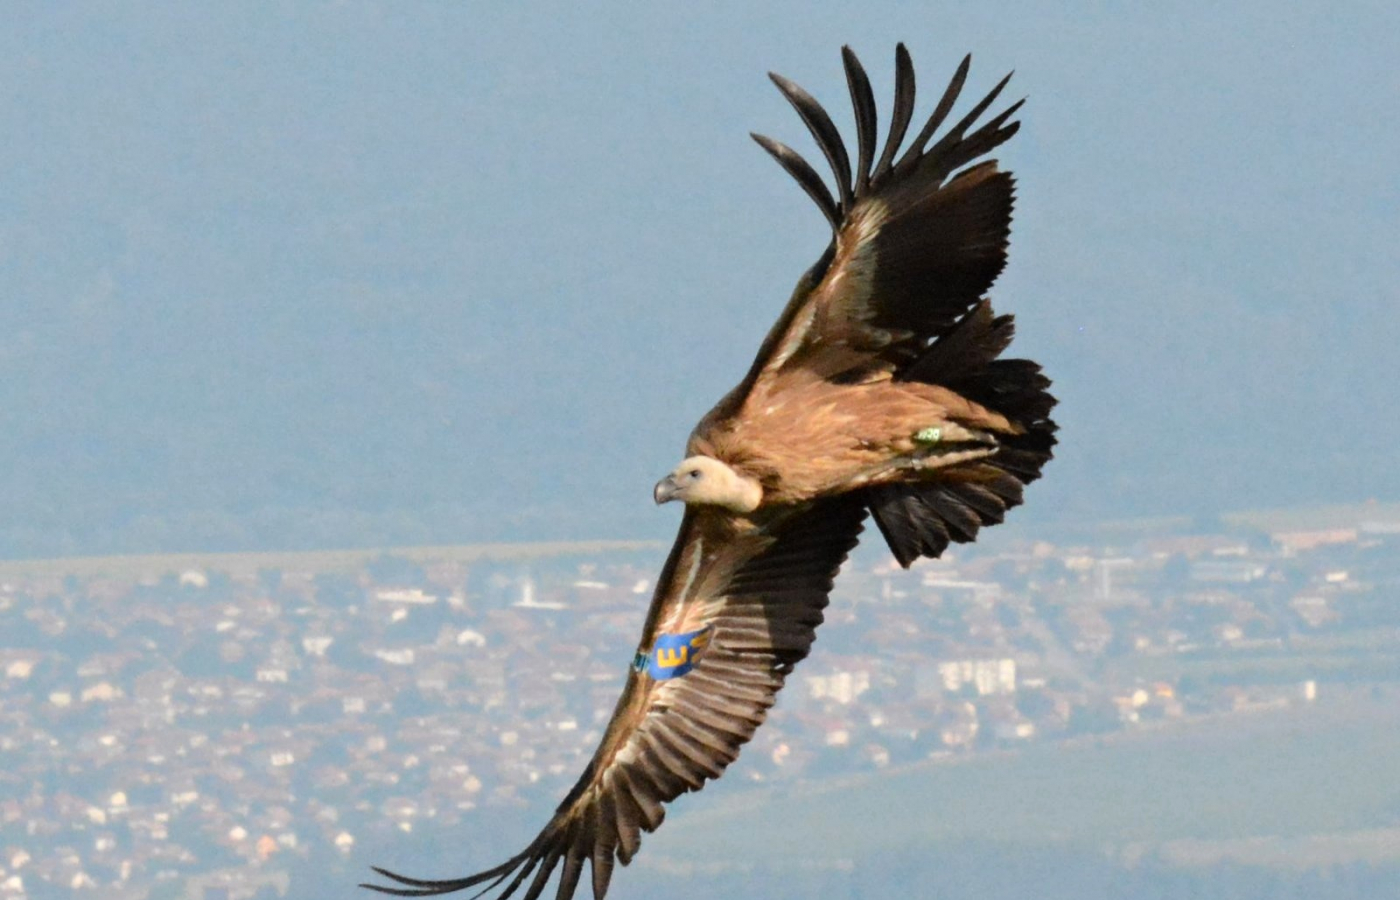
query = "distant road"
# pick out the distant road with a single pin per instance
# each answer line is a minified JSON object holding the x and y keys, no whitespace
{"x":315,"y":561}
{"x":1290,"y":518}
{"x":1350,"y":515}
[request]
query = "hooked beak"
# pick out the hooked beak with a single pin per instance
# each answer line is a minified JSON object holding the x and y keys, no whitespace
{"x":665,"y":490}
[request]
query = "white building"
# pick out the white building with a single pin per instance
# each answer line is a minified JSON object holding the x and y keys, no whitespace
{"x":839,"y":687}
{"x":987,"y":676}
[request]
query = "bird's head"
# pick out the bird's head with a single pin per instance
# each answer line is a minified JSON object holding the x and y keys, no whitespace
{"x":705,"y":481}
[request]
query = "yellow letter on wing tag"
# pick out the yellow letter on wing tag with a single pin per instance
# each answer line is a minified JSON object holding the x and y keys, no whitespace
{"x":670,"y":657}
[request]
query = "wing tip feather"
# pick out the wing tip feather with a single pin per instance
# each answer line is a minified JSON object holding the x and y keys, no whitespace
{"x":954,"y":149}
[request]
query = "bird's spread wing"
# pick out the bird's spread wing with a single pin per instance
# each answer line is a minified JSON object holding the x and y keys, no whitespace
{"x":735,"y":609}
{"x":916,"y":242}
{"x":919,"y":234}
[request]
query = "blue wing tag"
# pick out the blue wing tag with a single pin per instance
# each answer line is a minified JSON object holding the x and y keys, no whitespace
{"x":673,"y":655}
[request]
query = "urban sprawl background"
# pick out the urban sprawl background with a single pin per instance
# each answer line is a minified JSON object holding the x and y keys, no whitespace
{"x":246,"y":726}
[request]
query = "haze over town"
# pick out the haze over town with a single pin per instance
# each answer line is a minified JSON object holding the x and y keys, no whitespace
{"x":226,"y":725}
{"x":456,"y":281}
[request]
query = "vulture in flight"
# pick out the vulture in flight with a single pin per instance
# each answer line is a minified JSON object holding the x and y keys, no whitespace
{"x":879,"y":391}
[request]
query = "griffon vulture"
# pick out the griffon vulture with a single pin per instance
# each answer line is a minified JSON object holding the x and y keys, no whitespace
{"x":878,"y":389}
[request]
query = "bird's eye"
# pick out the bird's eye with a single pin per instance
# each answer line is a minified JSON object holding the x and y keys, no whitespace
{"x":694,"y":473}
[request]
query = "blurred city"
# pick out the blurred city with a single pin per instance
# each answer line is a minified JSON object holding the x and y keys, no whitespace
{"x":173,"y":729}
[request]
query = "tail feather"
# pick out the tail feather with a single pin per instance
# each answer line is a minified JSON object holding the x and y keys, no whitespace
{"x":921,"y":517}
{"x":909,"y":527}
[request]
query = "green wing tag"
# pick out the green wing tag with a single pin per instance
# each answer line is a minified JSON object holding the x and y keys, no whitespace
{"x":929,"y":436}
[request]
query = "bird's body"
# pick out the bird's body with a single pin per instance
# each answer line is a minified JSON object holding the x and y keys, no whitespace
{"x":803,"y":437}
{"x":879,"y":391}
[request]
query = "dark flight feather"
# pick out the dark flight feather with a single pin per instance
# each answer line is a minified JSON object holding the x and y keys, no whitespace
{"x":863,"y":103}
{"x":823,"y":131}
{"x":953,"y":149}
{"x":542,"y":874}
{"x":982,"y":141}
{"x":568,"y":879}
{"x":940,"y":112}
{"x":902,"y":113}
{"x":942,"y":252}
{"x":805,"y":175}
{"x":955,"y":134}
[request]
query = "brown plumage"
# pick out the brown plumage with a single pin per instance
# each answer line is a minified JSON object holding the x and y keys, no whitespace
{"x":882,"y":374}
{"x":878,"y":389}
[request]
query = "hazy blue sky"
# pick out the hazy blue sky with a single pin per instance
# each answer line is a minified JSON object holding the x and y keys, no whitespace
{"x":296,"y":274}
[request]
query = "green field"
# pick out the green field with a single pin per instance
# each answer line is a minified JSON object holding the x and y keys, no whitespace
{"x":1283,"y":774}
